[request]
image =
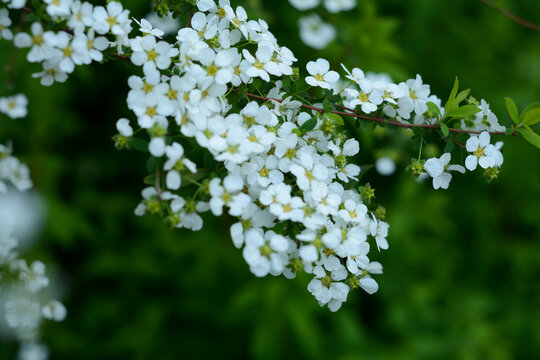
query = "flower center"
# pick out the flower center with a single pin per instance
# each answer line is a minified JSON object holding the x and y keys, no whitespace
{"x":290,"y":153}
{"x":263,"y":172}
{"x":212,"y":70}
{"x":259,"y":65}
{"x":37,"y":40}
{"x":319,"y":77}
{"x":326,"y":281}
{"x":152,"y":55}
{"x":68,"y":51}
{"x":111,"y":21}
{"x":363,"y":97}
{"x":171,"y":94}
{"x":479,"y":152}
{"x":151,"y":111}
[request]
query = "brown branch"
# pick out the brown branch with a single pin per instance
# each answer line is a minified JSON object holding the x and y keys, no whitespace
{"x":189,"y":20}
{"x":511,"y":16}
{"x":376,"y":119}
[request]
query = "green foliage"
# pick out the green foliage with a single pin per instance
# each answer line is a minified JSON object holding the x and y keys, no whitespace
{"x":460,"y":274}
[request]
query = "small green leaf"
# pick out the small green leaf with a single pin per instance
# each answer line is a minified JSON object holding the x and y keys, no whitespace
{"x":308,"y":125}
{"x":464,"y":111}
{"x":444,"y":129}
{"x":139,"y":144}
{"x":509,"y":131}
{"x":150,"y":179}
{"x":363,"y":124}
{"x":449,"y":147}
{"x":461,"y":96}
{"x":534,"y":105}
{"x":338,"y":120}
{"x":512,"y":109}
{"x":531,"y":117}
{"x":452,"y":96}
{"x":433,"y":108}
{"x":530,"y":136}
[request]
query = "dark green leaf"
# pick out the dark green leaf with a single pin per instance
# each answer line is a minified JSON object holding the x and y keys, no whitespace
{"x":308,"y":125}
{"x":449,"y":147}
{"x":139,"y":144}
{"x":444,"y":129}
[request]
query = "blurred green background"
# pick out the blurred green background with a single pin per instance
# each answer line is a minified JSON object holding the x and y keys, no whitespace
{"x":462,"y":275}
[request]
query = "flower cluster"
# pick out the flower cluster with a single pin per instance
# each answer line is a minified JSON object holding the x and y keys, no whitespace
{"x":286,"y":170}
{"x":22,"y":297}
{"x":283,"y":165}
{"x":409,"y":103}
{"x":82,"y":42}
{"x":11,"y":169}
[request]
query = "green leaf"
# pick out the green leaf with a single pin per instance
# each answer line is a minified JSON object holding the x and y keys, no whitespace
{"x":444,"y":129}
{"x":150,"y":179}
{"x":308,"y":125}
{"x":452,"y":96}
{"x":512,"y":109}
{"x":461,"y":96}
{"x":509,"y":131}
{"x":534,"y":105}
{"x":449,"y":147}
{"x":433,"y":108}
{"x":338,"y":120}
{"x":530,"y":136}
{"x":464,"y":111}
{"x":139,"y":144}
{"x":531,"y":117}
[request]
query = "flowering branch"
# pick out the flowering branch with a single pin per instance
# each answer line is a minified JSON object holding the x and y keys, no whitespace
{"x":380,"y":120}
{"x":511,"y":16}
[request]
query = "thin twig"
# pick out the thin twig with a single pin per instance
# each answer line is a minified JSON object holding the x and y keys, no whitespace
{"x":376,"y":119}
{"x":511,"y":16}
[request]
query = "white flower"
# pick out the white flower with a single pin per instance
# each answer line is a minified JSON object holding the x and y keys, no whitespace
{"x":385,"y":166}
{"x":316,"y":33}
{"x":54,"y":310}
{"x":33,"y":351}
{"x":439,"y":169}
{"x":146,"y":49}
{"x":22,"y":313}
{"x":123,"y":127}
{"x":176,"y":163}
{"x":368,"y":98}
{"x":266,"y":254}
{"x":304,"y":4}
{"x":5,"y":23}
{"x":113,"y":19}
{"x":51,"y":73}
{"x":168,"y":24}
{"x":146,"y":28}
{"x":483,"y":153}
{"x":320,"y":74}
{"x":14,"y":106}
{"x":82,"y":16}
{"x":34,"y":277}
{"x":58,"y":7}
{"x":335,"y":6}
{"x":259,"y":63}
